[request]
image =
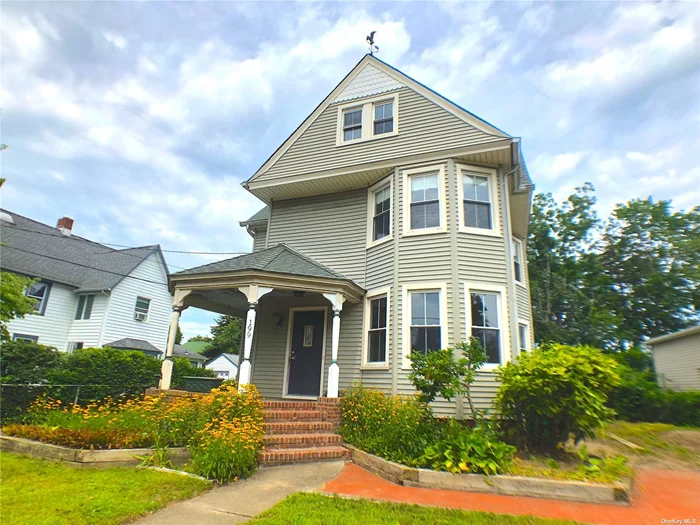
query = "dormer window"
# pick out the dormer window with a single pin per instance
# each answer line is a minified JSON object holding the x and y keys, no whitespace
{"x":383,"y":118}
{"x":352,"y":124}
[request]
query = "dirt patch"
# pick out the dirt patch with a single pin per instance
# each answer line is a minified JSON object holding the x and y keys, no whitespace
{"x":688,"y":439}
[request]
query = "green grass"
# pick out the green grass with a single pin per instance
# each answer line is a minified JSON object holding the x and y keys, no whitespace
{"x":300,"y":509}
{"x":38,"y":492}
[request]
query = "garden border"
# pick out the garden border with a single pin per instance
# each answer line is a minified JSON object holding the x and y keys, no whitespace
{"x":122,"y":457}
{"x":579,"y":491}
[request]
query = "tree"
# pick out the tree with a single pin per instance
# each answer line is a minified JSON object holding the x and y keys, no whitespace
{"x":14,"y":302}
{"x":178,"y":335}
{"x":226,"y":336}
{"x":199,"y":339}
{"x":611,"y":285}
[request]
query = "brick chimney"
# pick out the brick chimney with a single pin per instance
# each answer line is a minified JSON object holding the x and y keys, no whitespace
{"x":65,"y":225}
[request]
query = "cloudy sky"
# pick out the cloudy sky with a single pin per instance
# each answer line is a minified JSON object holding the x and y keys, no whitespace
{"x":140,"y":120}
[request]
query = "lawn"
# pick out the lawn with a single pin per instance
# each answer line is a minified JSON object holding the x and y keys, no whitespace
{"x":300,"y":509}
{"x":38,"y":492}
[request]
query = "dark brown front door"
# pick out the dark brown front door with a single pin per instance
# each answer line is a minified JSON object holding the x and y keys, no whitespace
{"x":306,"y":353}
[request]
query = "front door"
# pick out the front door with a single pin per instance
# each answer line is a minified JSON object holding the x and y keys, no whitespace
{"x":305,"y":353}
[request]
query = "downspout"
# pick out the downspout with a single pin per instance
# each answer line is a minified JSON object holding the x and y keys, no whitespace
{"x":396,"y":338}
{"x":453,"y":192}
{"x":510,"y":279}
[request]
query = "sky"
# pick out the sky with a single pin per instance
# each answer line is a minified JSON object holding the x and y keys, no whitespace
{"x":141,"y":119}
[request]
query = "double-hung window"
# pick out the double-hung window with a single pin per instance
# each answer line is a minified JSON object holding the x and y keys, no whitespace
{"x":25,"y":337}
{"x":522,"y":337}
{"x":485,"y":324}
{"x":352,"y":124}
{"x":477,"y":201}
{"x":381,"y":222}
{"x":518,"y":260}
{"x":383,"y":118}
{"x":141,"y":308}
{"x":426,"y":331}
{"x":85,"y":306}
{"x":377,"y":333}
{"x":425,"y":201}
{"x":40,"y":293}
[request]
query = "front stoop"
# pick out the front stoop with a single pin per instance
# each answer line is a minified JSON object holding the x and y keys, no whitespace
{"x":298,"y":431}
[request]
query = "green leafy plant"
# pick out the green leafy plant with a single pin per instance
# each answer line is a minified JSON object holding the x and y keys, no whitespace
{"x":14,"y":303}
{"x":463,"y":450}
{"x":397,"y":428}
{"x":159,"y":458}
{"x":441,"y":373}
{"x":556,"y":393}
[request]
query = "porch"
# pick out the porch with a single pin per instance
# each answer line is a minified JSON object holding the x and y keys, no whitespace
{"x":292,"y":308}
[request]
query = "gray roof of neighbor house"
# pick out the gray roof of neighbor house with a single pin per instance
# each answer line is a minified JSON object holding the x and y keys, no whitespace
{"x":133,"y":344}
{"x":675,"y":335}
{"x":260,"y":216}
{"x":38,"y":250}
{"x":278,"y":259}
{"x":233,"y":358}
{"x":181,"y":351}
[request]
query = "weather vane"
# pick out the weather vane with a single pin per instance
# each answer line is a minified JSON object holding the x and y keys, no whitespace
{"x":370,"y":40}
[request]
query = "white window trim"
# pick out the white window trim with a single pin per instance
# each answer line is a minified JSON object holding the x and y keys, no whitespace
{"x":367,"y":106}
{"x":492,"y":175}
{"x":373,"y":294}
{"x":148,"y":311}
{"x":82,"y":312}
{"x":389,"y":181}
{"x":440,"y":286}
{"x":407,"y":174}
{"x":518,"y":244}
{"x":503,"y":327}
{"x":528,"y":342}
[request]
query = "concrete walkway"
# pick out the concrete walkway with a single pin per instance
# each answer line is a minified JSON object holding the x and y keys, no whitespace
{"x":238,"y":502}
{"x":657,"y":495}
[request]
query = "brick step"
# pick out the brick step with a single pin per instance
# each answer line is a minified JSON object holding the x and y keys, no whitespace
{"x":290,"y":405}
{"x":297,"y":427}
{"x":315,"y":440}
{"x":293,"y":415}
{"x":282,"y":456}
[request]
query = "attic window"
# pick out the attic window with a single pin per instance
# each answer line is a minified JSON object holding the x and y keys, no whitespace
{"x":352,"y":124}
{"x":383,"y":118}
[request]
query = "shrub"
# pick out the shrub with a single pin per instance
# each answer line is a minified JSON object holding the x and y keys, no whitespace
{"x":439,"y":372}
{"x":555,"y":393}
{"x":27,"y":362}
{"x":637,"y":397}
{"x":183,"y":368}
{"x":680,"y":408}
{"x":101,"y":438}
{"x":463,"y":450}
{"x":398,"y":428}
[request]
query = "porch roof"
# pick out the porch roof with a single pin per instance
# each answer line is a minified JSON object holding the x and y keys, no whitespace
{"x":278,"y":267}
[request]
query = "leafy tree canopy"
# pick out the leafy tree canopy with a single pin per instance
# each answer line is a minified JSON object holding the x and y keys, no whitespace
{"x":13,"y":301}
{"x":226,"y":336}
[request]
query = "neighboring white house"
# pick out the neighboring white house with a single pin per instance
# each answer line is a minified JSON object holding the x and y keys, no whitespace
{"x":677,"y":359}
{"x":88,"y":294}
{"x":195,"y":359}
{"x":225,"y":366}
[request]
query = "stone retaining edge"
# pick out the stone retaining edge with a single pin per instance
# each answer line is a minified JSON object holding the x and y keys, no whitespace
{"x":86,"y":458}
{"x":579,"y":491}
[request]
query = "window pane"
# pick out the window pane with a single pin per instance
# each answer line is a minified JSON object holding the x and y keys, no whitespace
{"x":37,"y":290}
{"x":417,"y":216}
{"x":470,"y":215}
{"x":383,"y":111}
{"x":385,"y":126}
{"x":433,"y":341}
{"x":490,"y":340}
{"x":432,"y":308}
{"x":476,"y":188}
{"x":491,"y":310}
{"x":522,"y":337}
{"x":81,"y":305}
{"x":417,"y":189}
{"x":418,"y":341}
{"x":477,"y":310}
{"x":88,"y":306}
{"x":417,"y":308}
{"x":377,"y":346}
{"x":378,"y":313}
{"x":142,"y":304}
{"x":431,"y":187}
{"x":483,"y":216}
{"x":352,"y":118}
{"x":432,"y":215}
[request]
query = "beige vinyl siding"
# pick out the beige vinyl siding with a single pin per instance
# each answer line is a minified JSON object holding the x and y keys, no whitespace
{"x":677,"y":363}
{"x":269,"y":351}
{"x":424,"y":127}
{"x":51,"y":328}
{"x":380,"y":265}
{"x":259,"y":239}
{"x":332,"y":229}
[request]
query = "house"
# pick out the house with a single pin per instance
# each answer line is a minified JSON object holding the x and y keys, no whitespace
{"x":194,"y":358}
{"x":394,"y":220}
{"x":225,"y":366}
{"x":677,"y":359}
{"x":88,"y":294}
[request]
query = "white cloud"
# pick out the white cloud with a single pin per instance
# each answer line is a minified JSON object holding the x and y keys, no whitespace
{"x":552,"y":167}
{"x":116,"y":40}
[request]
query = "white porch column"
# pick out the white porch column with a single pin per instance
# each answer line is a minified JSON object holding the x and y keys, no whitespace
{"x":166,"y":369}
{"x":253,"y":293}
{"x":337,"y":301}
